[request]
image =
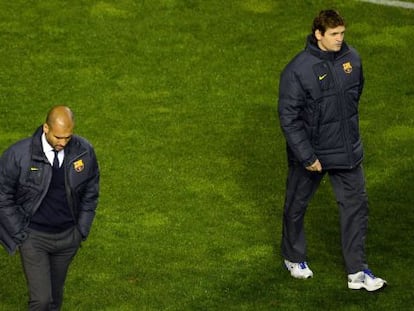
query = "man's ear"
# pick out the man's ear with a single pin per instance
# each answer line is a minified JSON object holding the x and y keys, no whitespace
{"x":318,"y":34}
{"x":45,"y":128}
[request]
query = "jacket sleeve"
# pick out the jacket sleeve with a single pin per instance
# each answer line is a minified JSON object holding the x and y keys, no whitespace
{"x":291,"y":108}
{"x":12,"y":217}
{"x":88,"y":200}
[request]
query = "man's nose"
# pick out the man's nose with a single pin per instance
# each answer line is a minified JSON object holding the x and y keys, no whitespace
{"x":62,"y":142}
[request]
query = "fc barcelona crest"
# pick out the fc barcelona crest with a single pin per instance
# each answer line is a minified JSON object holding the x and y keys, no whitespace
{"x":347,"y":67}
{"x":78,"y":166}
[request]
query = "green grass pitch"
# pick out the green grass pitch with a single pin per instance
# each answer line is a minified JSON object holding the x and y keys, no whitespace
{"x":179,"y":98}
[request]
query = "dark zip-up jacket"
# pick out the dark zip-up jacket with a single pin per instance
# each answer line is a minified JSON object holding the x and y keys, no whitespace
{"x":318,"y":107}
{"x":25,"y":175}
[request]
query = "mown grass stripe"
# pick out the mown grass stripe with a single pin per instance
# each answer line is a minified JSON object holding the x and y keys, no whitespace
{"x":399,"y":4}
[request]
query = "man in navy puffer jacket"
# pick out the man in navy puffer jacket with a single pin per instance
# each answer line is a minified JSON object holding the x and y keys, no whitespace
{"x":49,"y":188}
{"x":318,"y":109}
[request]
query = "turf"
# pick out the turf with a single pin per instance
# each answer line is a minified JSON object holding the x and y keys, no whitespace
{"x":179,"y":99}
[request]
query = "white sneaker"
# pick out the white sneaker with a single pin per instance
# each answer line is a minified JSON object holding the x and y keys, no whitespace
{"x":365,"y":279}
{"x":299,"y":270}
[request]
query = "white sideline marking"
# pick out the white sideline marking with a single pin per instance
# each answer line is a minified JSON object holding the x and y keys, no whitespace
{"x":399,"y":4}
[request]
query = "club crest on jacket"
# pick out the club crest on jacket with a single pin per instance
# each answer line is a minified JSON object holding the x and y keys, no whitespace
{"x":347,"y":67}
{"x":78,"y":166}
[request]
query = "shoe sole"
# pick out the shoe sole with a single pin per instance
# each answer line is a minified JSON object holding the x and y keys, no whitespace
{"x":301,"y":277}
{"x":361,"y":286}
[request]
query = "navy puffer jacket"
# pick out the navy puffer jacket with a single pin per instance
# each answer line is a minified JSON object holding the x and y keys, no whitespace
{"x":318,"y":107}
{"x":25,"y":175}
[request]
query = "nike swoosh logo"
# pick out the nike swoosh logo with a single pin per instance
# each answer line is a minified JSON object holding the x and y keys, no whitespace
{"x":322,"y":77}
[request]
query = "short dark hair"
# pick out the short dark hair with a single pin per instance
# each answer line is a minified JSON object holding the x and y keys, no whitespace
{"x":327,"y":19}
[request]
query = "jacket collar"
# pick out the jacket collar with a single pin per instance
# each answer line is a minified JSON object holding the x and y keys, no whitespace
{"x":37,"y":149}
{"x":312,"y":47}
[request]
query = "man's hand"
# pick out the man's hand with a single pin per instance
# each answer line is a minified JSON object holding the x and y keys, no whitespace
{"x":315,"y":167}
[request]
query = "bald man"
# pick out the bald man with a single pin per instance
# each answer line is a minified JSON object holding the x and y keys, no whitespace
{"x":49,"y":188}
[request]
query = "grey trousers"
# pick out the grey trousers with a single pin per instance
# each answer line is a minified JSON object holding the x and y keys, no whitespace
{"x":350,"y":193}
{"x":46,"y":258}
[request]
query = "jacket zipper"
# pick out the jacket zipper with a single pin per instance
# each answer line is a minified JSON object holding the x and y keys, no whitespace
{"x":67,"y":185}
{"x":341,"y":103}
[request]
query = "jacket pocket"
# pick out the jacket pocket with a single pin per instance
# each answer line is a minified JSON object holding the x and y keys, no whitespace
{"x":316,"y":120}
{"x":34,"y":175}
